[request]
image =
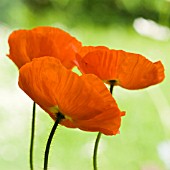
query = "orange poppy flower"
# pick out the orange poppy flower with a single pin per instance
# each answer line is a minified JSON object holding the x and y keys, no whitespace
{"x":41,"y":41}
{"x":128,"y":70}
{"x":84,"y":100}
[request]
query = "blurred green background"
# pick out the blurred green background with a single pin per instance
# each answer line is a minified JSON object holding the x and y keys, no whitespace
{"x":139,"y":26}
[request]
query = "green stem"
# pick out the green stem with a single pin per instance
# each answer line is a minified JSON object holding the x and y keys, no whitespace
{"x":32,"y":136}
{"x":59,"y":118}
{"x":95,"y":151}
{"x":97,"y":141}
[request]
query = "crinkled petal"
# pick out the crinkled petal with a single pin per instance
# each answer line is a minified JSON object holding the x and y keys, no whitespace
{"x":141,"y":72}
{"x":42,"y":41}
{"x":129,"y":70}
{"x":55,"y":88}
{"x":108,"y":122}
{"x":86,"y":49}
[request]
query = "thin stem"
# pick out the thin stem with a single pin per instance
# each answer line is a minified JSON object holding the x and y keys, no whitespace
{"x":59,"y":117}
{"x":97,"y":141}
{"x":32,"y":136}
{"x":95,"y":151}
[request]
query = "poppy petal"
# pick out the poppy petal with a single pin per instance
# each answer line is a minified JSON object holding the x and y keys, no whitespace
{"x":101,"y":89}
{"x":86,"y":49}
{"x":142,"y":72}
{"x":42,"y":41}
{"x":83,"y":52}
{"x":18,"y":51}
{"x":123,"y":67}
{"x":107,"y":123}
{"x":55,"y":88}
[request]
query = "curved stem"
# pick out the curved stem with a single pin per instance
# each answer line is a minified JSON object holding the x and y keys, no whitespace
{"x":97,"y":141}
{"x":59,"y":117}
{"x":32,"y":136}
{"x":95,"y":151}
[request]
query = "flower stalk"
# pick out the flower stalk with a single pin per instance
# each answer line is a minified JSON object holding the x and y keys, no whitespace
{"x":95,"y":151}
{"x":98,"y":139}
{"x":59,"y":118}
{"x":32,"y":136}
